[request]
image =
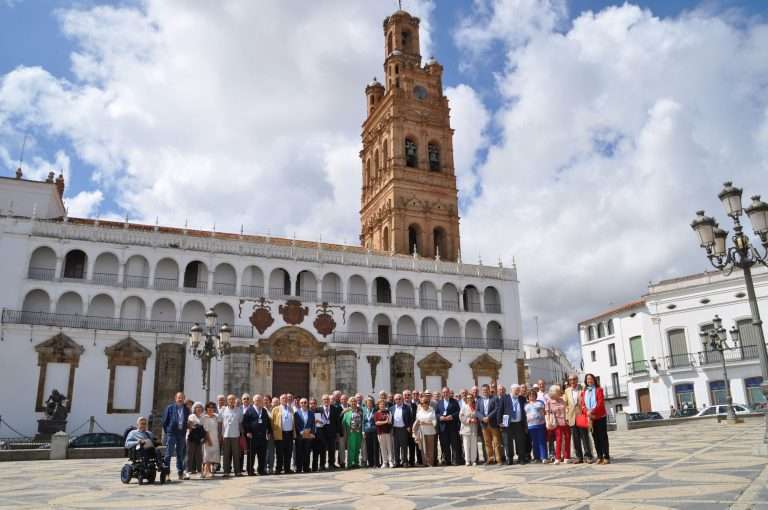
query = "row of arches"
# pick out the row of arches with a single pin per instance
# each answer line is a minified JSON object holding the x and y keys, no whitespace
{"x":428,"y":328}
{"x":252,"y":281}
{"x":130,"y":308}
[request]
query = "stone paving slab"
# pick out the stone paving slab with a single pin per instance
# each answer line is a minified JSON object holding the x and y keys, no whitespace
{"x":701,"y":466}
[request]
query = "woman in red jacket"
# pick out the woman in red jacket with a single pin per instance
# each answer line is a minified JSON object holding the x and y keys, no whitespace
{"x":593,"y":405}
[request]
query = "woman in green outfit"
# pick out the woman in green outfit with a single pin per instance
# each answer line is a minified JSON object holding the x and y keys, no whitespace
{"x":353,"y":429}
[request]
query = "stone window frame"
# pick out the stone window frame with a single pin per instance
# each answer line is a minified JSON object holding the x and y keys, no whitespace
{"x":486,"y":365}
{"x":434,"y":365}
{"x":126,"y":353}
{"x":58,"y":349}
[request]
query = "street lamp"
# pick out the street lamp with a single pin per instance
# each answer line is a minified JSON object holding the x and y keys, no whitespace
{"x":717,"y":339}
{"x":742,"y":255}
{"x":205,"y":345}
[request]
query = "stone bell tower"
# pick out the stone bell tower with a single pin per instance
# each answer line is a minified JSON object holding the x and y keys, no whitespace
{"x":409,"y":197}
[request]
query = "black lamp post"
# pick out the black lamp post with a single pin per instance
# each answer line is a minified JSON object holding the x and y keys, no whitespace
{"x":206,"y":345}
{"x":742,"y":255}
{"x":717,"y":339}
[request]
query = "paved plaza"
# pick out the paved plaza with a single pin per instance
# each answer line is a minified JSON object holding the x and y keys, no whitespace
{"x":698,"y":465}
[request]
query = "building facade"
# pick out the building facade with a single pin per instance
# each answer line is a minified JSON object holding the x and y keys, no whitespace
{"x":546,"y":363}
{"x":101,"y":310}
{"x":649,"y":353}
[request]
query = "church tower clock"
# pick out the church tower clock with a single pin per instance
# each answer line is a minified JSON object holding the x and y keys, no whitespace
{"x":409,"y":196}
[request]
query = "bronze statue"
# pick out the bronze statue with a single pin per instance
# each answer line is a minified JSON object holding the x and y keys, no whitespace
{"x":56,"y":406}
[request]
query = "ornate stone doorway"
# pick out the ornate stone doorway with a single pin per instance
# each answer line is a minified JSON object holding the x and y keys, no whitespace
{"x":291,"y":359}
{"x":290,"y":378}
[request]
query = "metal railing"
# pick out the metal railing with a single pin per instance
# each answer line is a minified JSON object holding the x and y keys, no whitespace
{"x":109,"y":323}
{"x":105,"y":278}
{"x":131,"y":281}
{"x":333,"y":297}
{"x":351,"y":337}
{"x":42,"y":273}
{"x":637,"y":368}
{"x":451,"y":306}
{"x":166,"y":283}
{"x":428,"y":304}
{"x":492,"y":308}
{"x":405,"y":301}
{"x":612,"y":392}
{"x":224,"y":289}
{"x":308,"y":295}
{"x":473,"y":306}
{"x":689,"y":360}
{"x":357,"y":299}
{"x":278,"y":293}
{"x":253,"y":291}
{"x":196,"y":288}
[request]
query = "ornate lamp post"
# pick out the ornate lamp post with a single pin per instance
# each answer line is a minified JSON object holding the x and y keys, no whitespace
{"x":206,"y":345}
{"x":717,"y":339}
{"x":742,"y":255}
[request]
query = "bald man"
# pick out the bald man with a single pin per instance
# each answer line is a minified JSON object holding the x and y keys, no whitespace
{"x":175,"y":427}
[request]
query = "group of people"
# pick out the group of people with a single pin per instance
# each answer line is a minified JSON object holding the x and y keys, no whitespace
{"x":491,"y":424}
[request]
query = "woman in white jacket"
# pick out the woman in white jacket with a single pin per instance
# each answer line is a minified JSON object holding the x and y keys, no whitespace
{"x":424,"y":430}
{"x":468,"y":431}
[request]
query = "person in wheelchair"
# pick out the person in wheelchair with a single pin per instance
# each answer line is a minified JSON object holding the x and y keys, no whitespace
{"x":146,"y":461}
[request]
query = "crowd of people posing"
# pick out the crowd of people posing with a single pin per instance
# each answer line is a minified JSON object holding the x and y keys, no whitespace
{"x":491,"y":424}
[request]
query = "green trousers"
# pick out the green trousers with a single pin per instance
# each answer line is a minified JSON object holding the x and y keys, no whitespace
{"x":354,"y":439}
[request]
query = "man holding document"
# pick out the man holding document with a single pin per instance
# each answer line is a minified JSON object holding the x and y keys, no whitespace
{"x":512,"y":419}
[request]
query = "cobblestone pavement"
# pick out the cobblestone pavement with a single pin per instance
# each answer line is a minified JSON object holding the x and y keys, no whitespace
{"x":698,"y":465}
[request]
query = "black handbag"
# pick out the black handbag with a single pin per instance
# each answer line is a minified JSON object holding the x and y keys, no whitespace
{"x":197,"y":434}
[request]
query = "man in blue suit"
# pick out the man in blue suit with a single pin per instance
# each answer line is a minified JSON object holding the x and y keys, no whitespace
{"x":511,"y":417}
{"x":448,"y":427}
{"x":487,"y":407}
{"x":175,"y":427}
{"x":304,"y":420}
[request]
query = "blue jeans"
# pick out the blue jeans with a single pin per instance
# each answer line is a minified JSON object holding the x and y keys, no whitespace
{"x":176,"y":442}
{"x":539,"y":442}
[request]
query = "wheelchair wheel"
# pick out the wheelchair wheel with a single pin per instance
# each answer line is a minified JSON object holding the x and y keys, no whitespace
{"x":126,"y":473}
{"x":151,"y":475}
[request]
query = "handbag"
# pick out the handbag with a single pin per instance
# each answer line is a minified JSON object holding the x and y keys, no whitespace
{"x":582,"y":421}
{"x":550,"y":419}
{"x":243,"y":442}
{"x":197,"y":434}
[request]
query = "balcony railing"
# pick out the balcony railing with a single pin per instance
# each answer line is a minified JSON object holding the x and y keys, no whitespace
{"x":637,"y":368}
{"x":333,"y":297}
{"x":105,"y":278}
{"x":451,"y":306}
{"x":308,"y":295}
{"x":42,"y":273}
{"x":224,"y":289}
{"x":109,"y":323}
{"x":196,"y":287}
{"x":612,"y":392}
{"x":137,"y":281}
{"x":348,"y":337}
{"x":428,"y":303}
{"x":278,"y":293}
{"x":473,"y":306}
{"x":252,"y":291}
{"x":166,"y":283}
{"x":492,"y":308}
{"x":405,"y":301}
{"x":357,"y":299}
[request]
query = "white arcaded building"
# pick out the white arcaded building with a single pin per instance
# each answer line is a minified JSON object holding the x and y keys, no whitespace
{"x":101,"y":311}
{"x":649,"y":355}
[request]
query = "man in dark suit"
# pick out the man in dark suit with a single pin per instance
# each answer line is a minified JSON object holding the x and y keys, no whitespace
{"x":331,"y":415}
{"x":412,"y":450}
{"x":402,"y":421}
{"x":305,"y":433}
{"x":175,"y":427}
{"x":448,"y":427}
{"x":257,"y":424}
{"x":511,"y":417}
{"x":318,"y":443}
{"x":487,"y":407}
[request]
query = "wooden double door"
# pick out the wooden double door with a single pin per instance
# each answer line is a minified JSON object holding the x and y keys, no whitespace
{"x":290,"y":378}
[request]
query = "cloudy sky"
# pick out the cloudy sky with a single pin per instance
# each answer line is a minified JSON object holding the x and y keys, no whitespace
{"x":587,"y":131}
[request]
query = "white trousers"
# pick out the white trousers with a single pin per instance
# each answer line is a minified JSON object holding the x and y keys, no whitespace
{"x":385,"y":443}
{"x":470,"y":447}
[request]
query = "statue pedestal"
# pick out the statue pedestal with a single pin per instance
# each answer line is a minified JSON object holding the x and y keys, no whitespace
{"x":59,"y":445}
{"x":46,"y":428}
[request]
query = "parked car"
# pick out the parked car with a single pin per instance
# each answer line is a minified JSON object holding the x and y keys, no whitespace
{"x":652,"y":415}
{"x":683,"y":413}
{"x":760,"y":408}
{"x":97,"y":440}
{"x":722,"y":410}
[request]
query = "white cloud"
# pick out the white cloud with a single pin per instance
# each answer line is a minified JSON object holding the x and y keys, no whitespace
{"x":469,"y":118}
{"x":217,"y":112}
{"x":85,"y":204}
{"x":612,"y":134}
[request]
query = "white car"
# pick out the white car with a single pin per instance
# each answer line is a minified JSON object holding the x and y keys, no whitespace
{"x":722,"y":410}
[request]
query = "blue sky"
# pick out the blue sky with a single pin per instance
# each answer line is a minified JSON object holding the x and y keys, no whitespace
{"x":31,"y":35}
{"x":582,"y":143}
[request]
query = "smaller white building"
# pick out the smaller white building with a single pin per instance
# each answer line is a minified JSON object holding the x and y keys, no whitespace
{"x":547,"y":363}
{"x":649,"y":355}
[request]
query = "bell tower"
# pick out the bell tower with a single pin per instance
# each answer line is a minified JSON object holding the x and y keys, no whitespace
{"x":409,"y":197}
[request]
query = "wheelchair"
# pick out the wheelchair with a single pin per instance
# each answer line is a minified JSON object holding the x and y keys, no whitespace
{"x":145,"y":466}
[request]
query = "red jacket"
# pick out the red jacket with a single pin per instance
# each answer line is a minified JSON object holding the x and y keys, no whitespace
{"x":599,"y":410}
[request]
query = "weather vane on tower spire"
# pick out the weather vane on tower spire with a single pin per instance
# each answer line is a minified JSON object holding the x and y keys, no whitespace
{"x":400,"y":4}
